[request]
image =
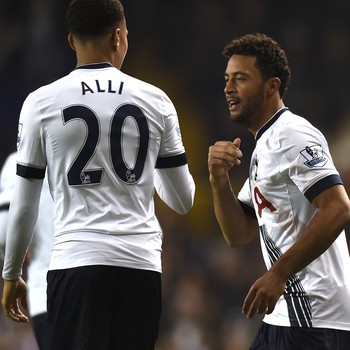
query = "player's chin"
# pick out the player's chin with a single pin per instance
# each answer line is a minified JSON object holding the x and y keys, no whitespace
{"x":237,"y":118}
{"x":235,"y":114}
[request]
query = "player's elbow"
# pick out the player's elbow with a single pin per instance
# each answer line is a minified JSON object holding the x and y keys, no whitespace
{"x":341,"y":205}
{"x":184,"y":205}
{"x":185,"y":200}
{"x":240,"y":235}
{"x":237,"y":241}
{"x":344,"y":213}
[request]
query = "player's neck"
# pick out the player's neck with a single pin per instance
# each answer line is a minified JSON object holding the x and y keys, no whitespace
{"x":265,"y":116}
{"x":93,"y":57}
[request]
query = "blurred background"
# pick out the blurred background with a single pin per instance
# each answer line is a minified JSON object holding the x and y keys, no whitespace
{"x":177,"y":45}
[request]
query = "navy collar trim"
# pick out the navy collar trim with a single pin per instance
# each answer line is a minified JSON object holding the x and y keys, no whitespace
{"x":269,"y":123}
{"x":95,"y":65}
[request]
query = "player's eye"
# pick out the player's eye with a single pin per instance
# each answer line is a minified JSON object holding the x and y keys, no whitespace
{"x":239,"y":79}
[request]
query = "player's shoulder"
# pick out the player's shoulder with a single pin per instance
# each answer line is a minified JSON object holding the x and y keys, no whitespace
{"x":290,"y":119}
{"x":143,"y":85}
{"x":292,"y":129}
{"x":47,"y":89}
{"x":290,"y":123}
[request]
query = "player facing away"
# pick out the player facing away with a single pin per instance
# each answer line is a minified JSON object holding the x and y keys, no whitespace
{"x":107,"y":141}
{"x":38,"y":257}
{"x":293,"y":197}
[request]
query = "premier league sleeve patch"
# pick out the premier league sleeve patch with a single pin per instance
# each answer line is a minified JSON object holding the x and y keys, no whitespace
{"x":315,"y":156}
{"x":19,"y":134}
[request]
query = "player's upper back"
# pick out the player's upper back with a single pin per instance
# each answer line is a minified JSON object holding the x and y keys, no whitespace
{"x":101,"y":133}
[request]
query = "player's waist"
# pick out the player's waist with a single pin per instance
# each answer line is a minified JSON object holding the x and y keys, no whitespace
{"x":79,"y":248}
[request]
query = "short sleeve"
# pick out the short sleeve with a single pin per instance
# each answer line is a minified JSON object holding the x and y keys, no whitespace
{"x":171,"y":143}
{"x":303,"y":155}
{"x":245,"y":199}
{"x":31,"y":160}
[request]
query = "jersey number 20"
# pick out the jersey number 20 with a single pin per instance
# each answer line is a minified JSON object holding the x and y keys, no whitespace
{"x":78,"y":173}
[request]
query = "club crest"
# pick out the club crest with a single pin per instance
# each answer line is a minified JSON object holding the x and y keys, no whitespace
{"x":315,"y":156}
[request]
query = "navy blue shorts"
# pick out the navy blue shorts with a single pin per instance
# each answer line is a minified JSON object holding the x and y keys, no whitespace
{"x":41,"y":331}
{"x":103,"y":307}
{"x":271,"y":337}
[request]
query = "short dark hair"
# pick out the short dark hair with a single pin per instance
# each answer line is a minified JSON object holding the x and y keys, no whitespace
{"x":271,"y":60}
{"x":93,"y":18}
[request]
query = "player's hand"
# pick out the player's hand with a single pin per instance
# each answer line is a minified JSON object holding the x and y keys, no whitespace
{"x":223,"y":155}
{"x":14,"y":296}
{"x":263,"y":295}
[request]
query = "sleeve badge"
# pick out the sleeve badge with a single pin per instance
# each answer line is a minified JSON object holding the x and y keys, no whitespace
{"x":314,"y":155}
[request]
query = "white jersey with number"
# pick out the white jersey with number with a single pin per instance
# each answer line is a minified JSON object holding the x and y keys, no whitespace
{"x":101,"y":134}
{"x":290,"y":165}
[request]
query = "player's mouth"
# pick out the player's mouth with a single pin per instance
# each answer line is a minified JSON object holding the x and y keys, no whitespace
{"x":233,"y":104}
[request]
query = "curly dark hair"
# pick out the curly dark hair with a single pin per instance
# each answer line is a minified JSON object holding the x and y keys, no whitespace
{"x":93,"y":18}
{"x":271,"y":60}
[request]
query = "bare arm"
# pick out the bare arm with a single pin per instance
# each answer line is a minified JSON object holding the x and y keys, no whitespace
{"x":332,"y":215}
{"x":236,"y":226}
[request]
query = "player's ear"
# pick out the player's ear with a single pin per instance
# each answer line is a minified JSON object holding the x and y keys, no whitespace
{"x":273,"y":85}
{"x":115,"y":39}
{"x":71,"y":41}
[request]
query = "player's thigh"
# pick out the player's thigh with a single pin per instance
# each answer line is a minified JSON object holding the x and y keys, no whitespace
{"x":139,"y":309}
{"x":104,"y":307}
{"x":78,"y":309}
{"x":337,"y":339}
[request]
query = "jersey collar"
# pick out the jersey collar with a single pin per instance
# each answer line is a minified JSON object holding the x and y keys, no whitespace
{"x":95,"y":65}
{"x":269,"y":123}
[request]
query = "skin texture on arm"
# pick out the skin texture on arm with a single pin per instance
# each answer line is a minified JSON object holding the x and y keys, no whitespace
{"x":236,"y":226}
{"x":22,"y":218}
{"x":15,"y":296}
{"x":332,"y":215}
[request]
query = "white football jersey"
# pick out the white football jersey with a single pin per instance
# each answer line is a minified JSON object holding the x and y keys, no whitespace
{"x":101,"y":134}
{"x":7,"y":186}
{"x":7,"y":180}
{"x":41,"y":244}
{"x":290,"y":165}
